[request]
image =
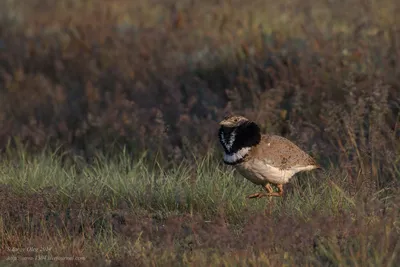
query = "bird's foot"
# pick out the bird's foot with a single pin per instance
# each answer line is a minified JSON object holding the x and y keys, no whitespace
{"x":262,"y":194}
{"x":258,"y":195}
{"x":275,"y":194}
{"x":270,"y":192}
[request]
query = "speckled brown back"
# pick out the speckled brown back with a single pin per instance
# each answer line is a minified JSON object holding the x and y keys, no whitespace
{"x":281,"y":152}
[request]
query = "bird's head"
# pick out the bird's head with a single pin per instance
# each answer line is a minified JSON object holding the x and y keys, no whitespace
{"x":238,"y":134}
{"x":233,"y":121}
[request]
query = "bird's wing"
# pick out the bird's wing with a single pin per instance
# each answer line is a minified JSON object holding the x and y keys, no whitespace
{"x":282,"y":153}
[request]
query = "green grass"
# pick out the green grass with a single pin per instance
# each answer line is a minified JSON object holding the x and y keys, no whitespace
{"x":157,"y":76}
{"x":191,"y":195}
{"x":203,"y":187}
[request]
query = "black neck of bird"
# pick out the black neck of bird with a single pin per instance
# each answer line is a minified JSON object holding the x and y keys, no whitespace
{"x":233,"y":139}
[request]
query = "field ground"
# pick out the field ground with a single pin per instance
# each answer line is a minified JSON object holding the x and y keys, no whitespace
{"x":108,"y":121}
{"x":121,"y":212}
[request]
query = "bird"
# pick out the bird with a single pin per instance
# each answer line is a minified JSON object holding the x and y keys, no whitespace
{"x":263,"y":159}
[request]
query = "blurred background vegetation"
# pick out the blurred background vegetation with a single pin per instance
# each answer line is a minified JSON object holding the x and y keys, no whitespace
{"x":83,"y":78}
{"x":158,"y":75}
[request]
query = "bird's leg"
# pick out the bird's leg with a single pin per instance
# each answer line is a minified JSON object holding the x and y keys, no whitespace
{"x":270,"y":191}
{"x":276,"y":194}
{"x":268,"y":211}
{"x":262,"y":194}
{"x":256,"y":195}
{"x":269,"y":188}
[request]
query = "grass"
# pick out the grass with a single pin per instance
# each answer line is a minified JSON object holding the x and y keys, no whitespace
{"x":122,"y":210}
{"x":81,"y":79}
{"x":203,"y":187}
